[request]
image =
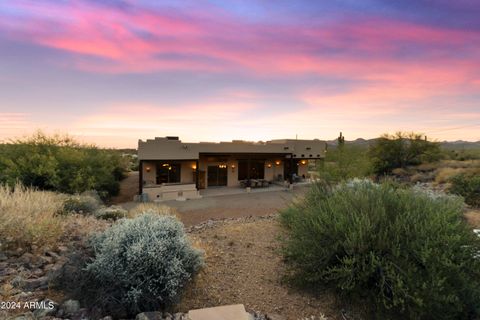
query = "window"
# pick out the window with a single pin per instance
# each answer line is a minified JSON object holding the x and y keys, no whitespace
{"x":257,"y":169}
{"x":168,"y":172}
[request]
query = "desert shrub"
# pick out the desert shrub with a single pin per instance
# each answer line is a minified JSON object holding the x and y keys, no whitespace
{"x":61,"y":164}
{"x":402,"y":150}
{"x":111,"y":213}
{"x":344,"y":162}
{"x":29,"y":217}
{"x":151,"y":208}
{"x":142,"y":264}
{"x":85,"y":204}
{"x":468,"y":186}
{"x":406,"y":252}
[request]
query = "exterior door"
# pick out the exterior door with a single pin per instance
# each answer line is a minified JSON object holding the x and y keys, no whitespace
{"x":217,"y":176}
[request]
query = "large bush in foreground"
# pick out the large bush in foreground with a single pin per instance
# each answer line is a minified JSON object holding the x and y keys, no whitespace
{"x":142,"y":264}
{"x":406,"y":252}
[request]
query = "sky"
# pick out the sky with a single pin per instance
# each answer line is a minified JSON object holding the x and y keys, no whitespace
{"x":112,"y":72}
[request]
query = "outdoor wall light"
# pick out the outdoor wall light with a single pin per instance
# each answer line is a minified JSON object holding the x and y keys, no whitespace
{"x":303,"y":162}
{"x":222,"y":166}
{"x":277,"y":163}
{"x":147,"y":169}
{"x":269,"y":165}
{"x":194,"y":167}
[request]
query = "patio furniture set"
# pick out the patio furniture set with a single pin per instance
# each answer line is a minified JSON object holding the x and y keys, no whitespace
{"x":254,"y":183}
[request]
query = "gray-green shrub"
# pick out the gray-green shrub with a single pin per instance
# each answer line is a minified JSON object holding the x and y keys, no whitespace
{"x":143,"y":264}
{"x":405,"y":252}
{"x":85,"y":204}
{"x":111,"y":213}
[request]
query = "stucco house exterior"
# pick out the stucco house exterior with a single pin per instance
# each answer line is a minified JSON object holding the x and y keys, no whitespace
{"x":171,"y":169}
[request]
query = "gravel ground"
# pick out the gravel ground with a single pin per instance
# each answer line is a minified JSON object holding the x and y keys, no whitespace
{"x":243,"y":265}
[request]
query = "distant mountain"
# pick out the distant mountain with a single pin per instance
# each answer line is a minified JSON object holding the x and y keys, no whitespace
{"x":460,"y":145}
{"x":357,"y":142}
{"x":450,"y":145}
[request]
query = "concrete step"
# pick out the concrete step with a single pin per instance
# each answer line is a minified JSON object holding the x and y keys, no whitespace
{"x":231,"y":312}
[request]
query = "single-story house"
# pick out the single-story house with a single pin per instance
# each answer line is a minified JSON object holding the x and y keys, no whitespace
{"x":170,"y":168}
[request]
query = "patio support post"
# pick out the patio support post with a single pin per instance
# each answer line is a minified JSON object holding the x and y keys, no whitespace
{"x":197,"y":174}
{"x":140,"y":177}
{"x":290,"y":174}
{"x":249,"y":167}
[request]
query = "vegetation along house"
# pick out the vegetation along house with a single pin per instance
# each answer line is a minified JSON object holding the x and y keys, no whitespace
{"x":170,"y":168}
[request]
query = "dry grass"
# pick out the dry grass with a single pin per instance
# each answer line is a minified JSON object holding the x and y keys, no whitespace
{"x":443,"y":175}
{"x":29,"y":217}
{"x":473,"y":218}
{"x":459,"y":164}
{"x":152,"y":208}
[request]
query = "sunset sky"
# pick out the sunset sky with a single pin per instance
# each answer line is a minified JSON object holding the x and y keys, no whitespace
{"x":112,"y":72}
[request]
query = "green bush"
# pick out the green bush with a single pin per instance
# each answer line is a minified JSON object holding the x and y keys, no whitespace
{"x":61,"y":164}
{"x":468,"y":186}
{"x":85,"y":204}
{"x":406,"y":252}
{"x":345,"y":162}
{"x":142,"y":264}
{"x":111,"y":213}
{"x":402,"y":150}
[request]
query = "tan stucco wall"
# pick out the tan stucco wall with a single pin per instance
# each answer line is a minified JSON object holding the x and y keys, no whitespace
{"x":232,"y":176}
{"x":186,"y":172}
{"x":151,"y":176}
{"x":303,"y":169}
{"x":272,"y":172}
{"x":171,"y":192}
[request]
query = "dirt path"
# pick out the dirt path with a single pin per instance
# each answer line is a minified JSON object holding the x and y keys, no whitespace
{"x":243,"y":265}
{"x":128,"y":189}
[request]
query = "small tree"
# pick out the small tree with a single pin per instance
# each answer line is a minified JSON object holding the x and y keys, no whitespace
{"x":345,"y":162}
{"x":402,"y":150}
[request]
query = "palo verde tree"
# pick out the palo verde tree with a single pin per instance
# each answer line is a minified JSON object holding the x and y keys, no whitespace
{"x":401,"y":150}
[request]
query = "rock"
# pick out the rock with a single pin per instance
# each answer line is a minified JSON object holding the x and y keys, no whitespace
{"x":32,"y":284}
{"x":7,"y":271}
{"x":274,"y":316}
{"x":154,"y":315}
{"x":45,"y":260}
{"x":52,"y":255}
{"x":167,"y":316}
{"x":49,"y":308}
{"x":81,"y":314}
{"x":25,"y":316}
{"x":69,"y":308}
{"x":179,"y":316}
{"x":62,"y":249}
{"x":17,"y":282}
{"x":22,"y":296}
{"x":107,"y":318}
{"x":27,"y":259}
{"x":3,"y":257}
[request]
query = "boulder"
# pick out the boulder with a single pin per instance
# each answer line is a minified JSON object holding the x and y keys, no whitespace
{"x":69,"y":308}
{"x":154,"y":315}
